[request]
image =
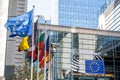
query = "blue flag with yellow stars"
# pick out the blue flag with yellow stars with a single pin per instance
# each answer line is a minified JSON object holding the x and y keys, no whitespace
{"x":20,"y":25}
{"x":94,"y":66}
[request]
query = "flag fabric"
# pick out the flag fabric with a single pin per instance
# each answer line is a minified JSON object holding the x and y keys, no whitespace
{"x":47,"y":45}
{"x":41,"y":45}
{"x":35,"y":35}
{"x":94,"y":66}
{"x":20,"y":25}
{"x":48,"y":54}
{"x":35,"y":53}
{"x":46,"y":58}
{"x":24,"y":44}
{"x":27,"y":41}
{"x":75,"y":62}
{"x":42,"y":62}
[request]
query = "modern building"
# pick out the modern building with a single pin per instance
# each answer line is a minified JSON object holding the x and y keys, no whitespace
{"x":13,"y":57}
{"x":110,"y":20}
{"x":91,"y":44}
{"x":80,"y":13}
{"x":110,"y":17}
{"x":43,"y":21}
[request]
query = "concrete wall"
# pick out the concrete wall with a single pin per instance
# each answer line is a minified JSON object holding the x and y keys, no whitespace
{"x":13,"y":57}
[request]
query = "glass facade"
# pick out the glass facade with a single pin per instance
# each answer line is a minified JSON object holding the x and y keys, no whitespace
{"x":109,"y":2}
{"x":80,"y":13}
{"x":88,"y":47}
{"x":112,"y":16}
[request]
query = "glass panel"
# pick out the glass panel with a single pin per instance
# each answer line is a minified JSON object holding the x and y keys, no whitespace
{"x":86,"y":47}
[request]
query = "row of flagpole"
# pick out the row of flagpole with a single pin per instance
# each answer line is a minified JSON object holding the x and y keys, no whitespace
{"x":39,"y":54}
{"x":23,"y":26}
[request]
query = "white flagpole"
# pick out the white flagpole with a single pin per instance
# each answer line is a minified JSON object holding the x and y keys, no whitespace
{"x":38,"y":55}
{"x":45,"y":57}
{"x":32,"y":44}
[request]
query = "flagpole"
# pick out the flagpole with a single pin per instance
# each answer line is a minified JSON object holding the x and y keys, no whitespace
{"x":45,"y":57}
{"x":38,"y":55}
{"x":32,"y":44}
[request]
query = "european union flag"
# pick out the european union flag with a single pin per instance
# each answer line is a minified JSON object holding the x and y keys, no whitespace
{"x":94,"y":66}
{"x":20,"y":25}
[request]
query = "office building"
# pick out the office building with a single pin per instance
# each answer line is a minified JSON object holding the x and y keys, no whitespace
{"x":43,"y":21}
{"x":92,"y":44}
{"x":109,"y":18}
{"x":13,"y":57}
{"x":79,"y":13}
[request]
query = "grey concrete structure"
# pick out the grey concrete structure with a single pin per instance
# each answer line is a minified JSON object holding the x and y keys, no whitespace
{"x":13,"y":57}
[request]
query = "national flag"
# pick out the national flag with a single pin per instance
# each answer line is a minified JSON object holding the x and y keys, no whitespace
{"x":20,"y":25}
{"x":27,"y":41}
{"x":24,"y":44}
{"x":35,"y":53}
{"x":47,"y":46}
{"x":41,"y":45}
{"x":46,"y":58}
{"x":42,"y":62}
{"x":94,"y":66}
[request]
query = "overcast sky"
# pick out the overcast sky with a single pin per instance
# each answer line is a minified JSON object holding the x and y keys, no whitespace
{"x":42,"y":7}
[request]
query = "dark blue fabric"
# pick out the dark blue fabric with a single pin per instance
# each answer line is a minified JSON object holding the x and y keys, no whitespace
{"x":94,"y":66}
{"x":47,"y":44}
{"x":20,"y":25}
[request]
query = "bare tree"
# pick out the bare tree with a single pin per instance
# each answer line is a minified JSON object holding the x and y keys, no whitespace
{"x":23,"y":73}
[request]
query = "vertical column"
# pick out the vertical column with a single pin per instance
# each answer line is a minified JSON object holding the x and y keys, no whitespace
{"x":114,"y":54}
{"x":71,"y":71}
{"x":55,"y":59}
{"x":3,"y":32}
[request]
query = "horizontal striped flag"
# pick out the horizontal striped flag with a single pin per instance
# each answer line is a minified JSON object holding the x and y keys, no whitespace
{"x":75,"y":62}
